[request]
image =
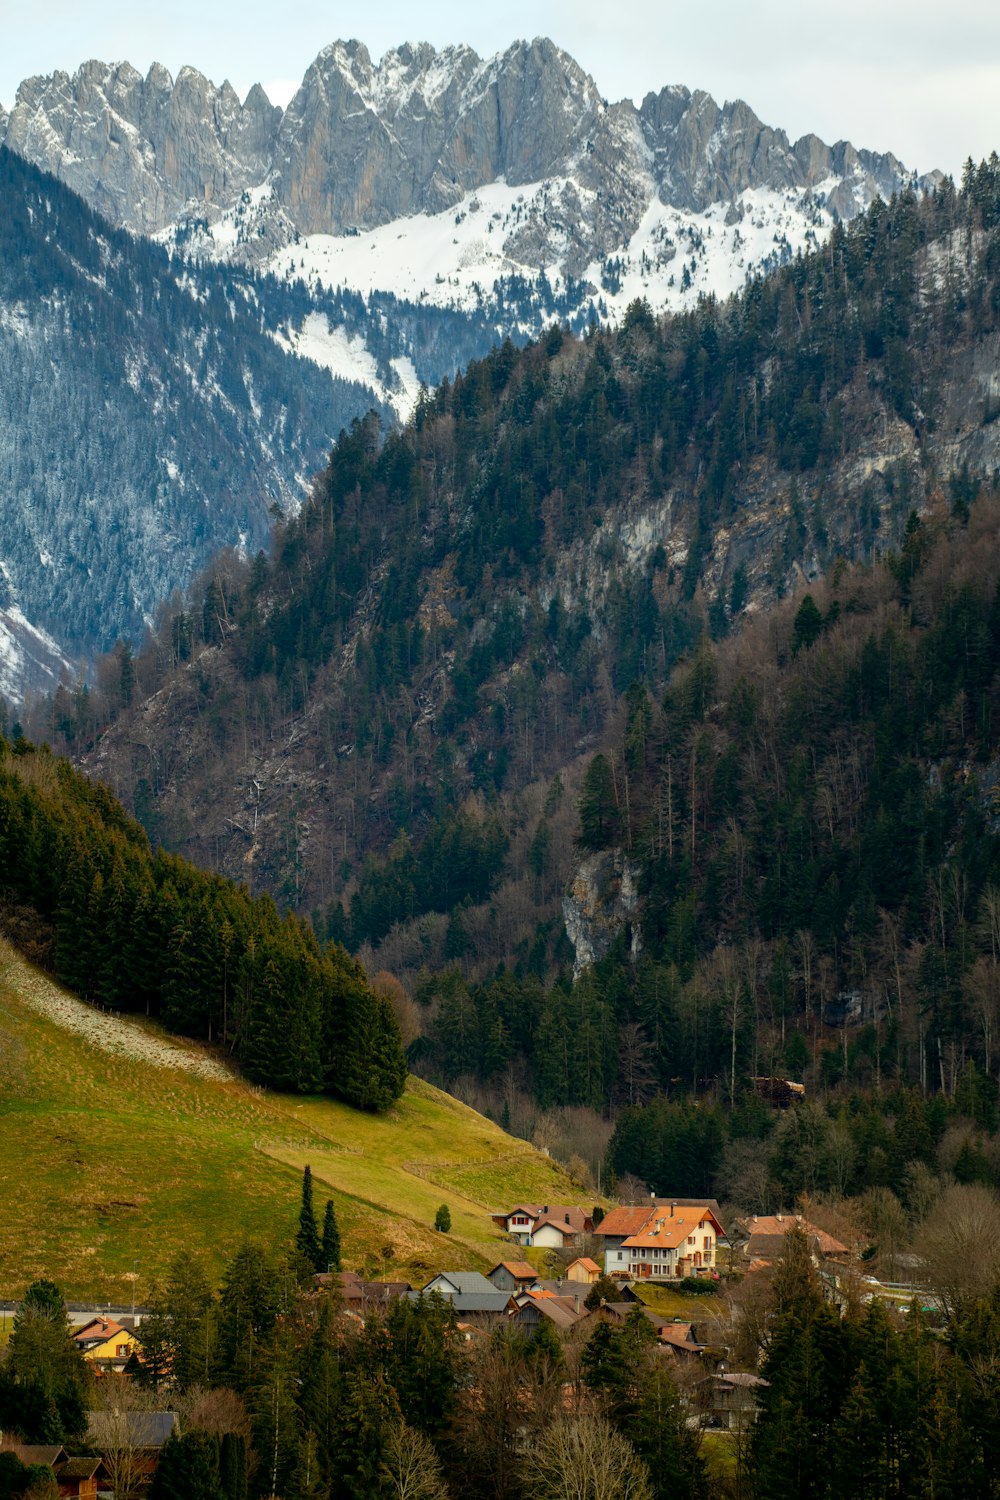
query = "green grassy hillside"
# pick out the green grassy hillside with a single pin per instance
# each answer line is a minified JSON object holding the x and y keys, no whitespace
{"x":112,"y":1160}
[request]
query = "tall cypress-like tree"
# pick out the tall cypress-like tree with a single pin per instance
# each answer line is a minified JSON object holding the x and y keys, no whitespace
{"x":307,"y":1238}
{"x":330,"y":1246}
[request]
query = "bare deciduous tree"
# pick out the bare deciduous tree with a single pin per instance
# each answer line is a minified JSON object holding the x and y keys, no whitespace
{"x":413,"y":1467}
{"x":583,"y":1458}
{"x":957,"y":1245}
{"x":120,"y":1435}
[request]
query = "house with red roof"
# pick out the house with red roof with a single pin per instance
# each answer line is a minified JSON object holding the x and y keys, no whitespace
{"x":552,"y":1226}
{"x":765,"y":1239}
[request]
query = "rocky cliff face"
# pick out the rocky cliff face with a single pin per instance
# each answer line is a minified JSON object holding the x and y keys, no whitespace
{"x":143,"y":151}
{"x":602,"y":900}
{"x":363,"y":144}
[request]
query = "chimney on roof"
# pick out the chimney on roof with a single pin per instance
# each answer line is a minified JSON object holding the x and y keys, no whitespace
{"x":566,"y":1217}
{"x":779,"y":1217}
{"x":673,"y":1209}
{"x":545,"y":1208}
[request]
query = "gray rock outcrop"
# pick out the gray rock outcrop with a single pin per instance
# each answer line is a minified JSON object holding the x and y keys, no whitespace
{"x":144,"y":151}
{"x":364,"y":143}
{"x":602,"y":900}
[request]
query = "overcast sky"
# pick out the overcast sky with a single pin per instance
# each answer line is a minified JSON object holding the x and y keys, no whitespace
{"x":916,"y":77}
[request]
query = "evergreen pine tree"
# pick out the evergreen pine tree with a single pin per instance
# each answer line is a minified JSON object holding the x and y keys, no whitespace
{"x":307,"y":1238}
{"x":600,"y":818}
{"x":330,"y":1247}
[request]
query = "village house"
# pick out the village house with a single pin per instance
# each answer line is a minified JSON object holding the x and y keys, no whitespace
{"x":106,"y":1344}
{"x":569,"y":1295}
{"x":661,"y":1242}
{"x":512,"y":1275}
{"x":142,"y":1432}
{"x":534,"y":1310}
{"x":583,"y":1269}
{"x":764,"y":1239}
{"x":552,"y":1226}
{"x":362,"y":1295}
{"x":729,"y":1400}
{"x":474,"y":1299}
{"x":675,"y":1336}
{"x":76,"y":1478}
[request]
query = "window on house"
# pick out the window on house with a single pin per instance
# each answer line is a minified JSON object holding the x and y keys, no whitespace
{"x":708,"y":1242}
{"x":121,"y":1351}
{"x":691,"y":1239}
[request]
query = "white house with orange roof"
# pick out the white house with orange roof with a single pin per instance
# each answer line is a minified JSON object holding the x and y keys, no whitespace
{"x":661,"y":1242}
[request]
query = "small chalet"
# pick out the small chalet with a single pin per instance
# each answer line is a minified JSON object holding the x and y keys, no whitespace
{"x":730,"y":1400}
{"x":583,"y":1269}
{"x":512,"y":1275}
{"x":78,"y":1478}
{"x":553,"y":1226}
{"x":662,"y":1242}
{"x":75,"y":1477}
{"x":106,"y":1344}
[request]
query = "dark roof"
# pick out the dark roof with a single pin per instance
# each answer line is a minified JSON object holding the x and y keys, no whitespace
{"x":78,"y":1468}
{"x":465,"y":1302}
{"x":147,"y":1429}
{"x":463,"y":1282}
{"x":35,"y":1453}
{"x":547,"y":1307}
{"x":375,"y":1291}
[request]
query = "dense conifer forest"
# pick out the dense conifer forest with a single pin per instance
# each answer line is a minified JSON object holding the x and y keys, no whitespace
{"x":479,"y":698}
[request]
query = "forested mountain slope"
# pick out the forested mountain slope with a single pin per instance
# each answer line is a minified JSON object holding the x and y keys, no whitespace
{"x":148,"y":418}
{"x":458,"y":610}
{"x":150,"y":934}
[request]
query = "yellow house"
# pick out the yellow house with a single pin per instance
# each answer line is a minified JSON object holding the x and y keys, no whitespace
{"x":105,"y":1343}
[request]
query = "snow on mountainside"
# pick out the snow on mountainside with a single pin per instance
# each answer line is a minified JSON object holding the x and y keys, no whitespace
{"x":151,"y":414}
{"x":441,"y":178}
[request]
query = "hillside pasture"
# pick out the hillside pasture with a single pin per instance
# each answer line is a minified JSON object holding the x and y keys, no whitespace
{"x":120,"y":1145}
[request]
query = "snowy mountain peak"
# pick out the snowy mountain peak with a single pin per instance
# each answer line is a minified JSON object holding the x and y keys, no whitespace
{"x":365,"y":143}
